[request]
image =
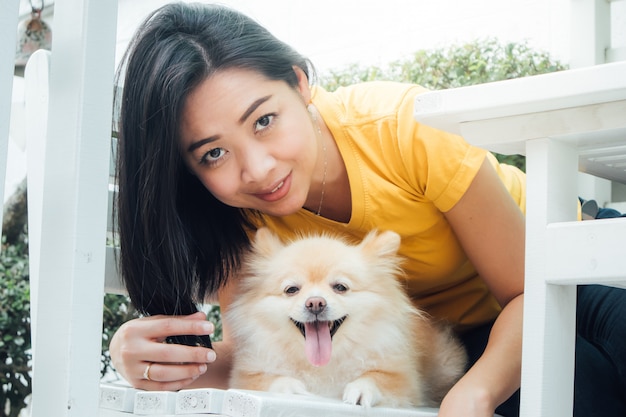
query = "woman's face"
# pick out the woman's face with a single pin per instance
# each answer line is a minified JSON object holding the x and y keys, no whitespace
{"x":251,"y":140}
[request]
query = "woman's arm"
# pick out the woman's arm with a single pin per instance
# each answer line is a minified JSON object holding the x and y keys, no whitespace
{"x":491,"y":229}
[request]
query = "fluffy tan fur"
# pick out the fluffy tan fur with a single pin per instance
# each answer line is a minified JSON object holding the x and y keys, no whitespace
{"x":385,"y":352}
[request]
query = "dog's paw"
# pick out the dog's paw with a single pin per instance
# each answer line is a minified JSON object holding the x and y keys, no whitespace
{"x":362,"y":391}
{"x":288,"y":385}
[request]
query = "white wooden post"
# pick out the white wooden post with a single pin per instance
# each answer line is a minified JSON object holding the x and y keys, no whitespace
{"x":37,"y":89}
{"x":71,"y":273}
{"x":590,"y":32}
{"x":9,"y":10}
{"x":551,"y":197}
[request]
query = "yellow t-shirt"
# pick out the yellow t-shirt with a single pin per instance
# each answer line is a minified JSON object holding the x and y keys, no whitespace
{"x":403,"y":176}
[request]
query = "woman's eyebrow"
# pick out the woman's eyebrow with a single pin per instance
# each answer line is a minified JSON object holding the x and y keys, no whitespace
{"x":252,"y":108}
{"x":201,"y":142}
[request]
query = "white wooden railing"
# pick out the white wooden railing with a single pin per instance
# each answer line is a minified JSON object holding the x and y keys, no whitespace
{"x":8,"y":24}
{"x":560,"y":121}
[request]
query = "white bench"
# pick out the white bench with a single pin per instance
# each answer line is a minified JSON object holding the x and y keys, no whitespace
{"x":560,"y":121}
{"x":238,"y":403}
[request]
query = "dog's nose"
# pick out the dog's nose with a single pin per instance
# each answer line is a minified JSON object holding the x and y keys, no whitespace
{"x":315,"y":305}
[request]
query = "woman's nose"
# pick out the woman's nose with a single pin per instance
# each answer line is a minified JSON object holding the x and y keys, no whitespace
{"x":256,"y":164}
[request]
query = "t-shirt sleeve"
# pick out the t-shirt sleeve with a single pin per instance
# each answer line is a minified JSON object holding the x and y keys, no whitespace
{"x":438,"y":165}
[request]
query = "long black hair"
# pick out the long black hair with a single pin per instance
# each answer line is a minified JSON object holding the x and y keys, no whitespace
{"x":179,"y":244}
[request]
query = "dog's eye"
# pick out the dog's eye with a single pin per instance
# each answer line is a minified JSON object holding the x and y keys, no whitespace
{"x":340,"y":288}
{"x":291,"y":290}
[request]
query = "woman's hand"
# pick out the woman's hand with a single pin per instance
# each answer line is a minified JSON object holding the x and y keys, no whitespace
{"x":139,"y":354}
{"x":468,"y":401}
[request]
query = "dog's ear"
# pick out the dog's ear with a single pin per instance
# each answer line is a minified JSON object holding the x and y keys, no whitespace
{"x":381,"y":244}
{"x":266,"y":242}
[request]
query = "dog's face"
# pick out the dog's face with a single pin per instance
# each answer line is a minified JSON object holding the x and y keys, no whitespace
{"x":321,"y":290}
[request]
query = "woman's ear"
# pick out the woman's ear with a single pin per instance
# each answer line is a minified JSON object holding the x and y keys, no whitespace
{"x":303,"y":84}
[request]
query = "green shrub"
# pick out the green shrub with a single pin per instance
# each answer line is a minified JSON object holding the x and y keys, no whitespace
{"x":476,"y":62}
{"x":15,"y":344}
{"x":117,"y":309}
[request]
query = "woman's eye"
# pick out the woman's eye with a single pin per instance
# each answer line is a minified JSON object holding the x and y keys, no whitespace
{"x":212,"y":156}
{"x":263,"y":122}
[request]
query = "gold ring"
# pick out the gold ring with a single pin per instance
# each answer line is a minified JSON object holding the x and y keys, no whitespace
{"x":146,"y":373}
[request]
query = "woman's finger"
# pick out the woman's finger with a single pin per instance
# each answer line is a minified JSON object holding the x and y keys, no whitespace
{"x":160,"y":328}
{"x":176,"y":385}
{"x":164,"y":366}
{"x":176,"y":354}
{"x":161,"y":374}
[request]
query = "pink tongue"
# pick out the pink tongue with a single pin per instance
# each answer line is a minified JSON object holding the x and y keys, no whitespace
{"x":317,"y":344}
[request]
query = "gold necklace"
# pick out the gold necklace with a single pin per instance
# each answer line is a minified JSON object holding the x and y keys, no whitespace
{"x":319,"y":134}
{"x":319,"y":208}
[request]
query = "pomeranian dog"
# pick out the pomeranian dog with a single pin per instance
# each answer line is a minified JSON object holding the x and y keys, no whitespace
{"x":321,"y":316}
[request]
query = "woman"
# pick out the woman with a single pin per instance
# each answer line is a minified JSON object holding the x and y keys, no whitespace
{"x":220,"y":132}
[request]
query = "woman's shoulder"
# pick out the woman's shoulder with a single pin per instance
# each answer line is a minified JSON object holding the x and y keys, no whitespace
{"x":378,"y":88}
{"x":370,"y":99}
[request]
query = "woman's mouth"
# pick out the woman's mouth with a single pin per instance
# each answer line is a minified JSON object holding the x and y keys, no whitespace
{"x":279,"y":191}
{"x":278,"y":187}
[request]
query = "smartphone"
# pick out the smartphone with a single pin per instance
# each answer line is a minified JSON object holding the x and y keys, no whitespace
{"x":191,"y":340}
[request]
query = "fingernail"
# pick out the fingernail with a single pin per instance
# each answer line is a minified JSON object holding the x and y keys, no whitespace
{"x":202,"y":369}
{"x":210,"y":356}
{"x":208,"y":327}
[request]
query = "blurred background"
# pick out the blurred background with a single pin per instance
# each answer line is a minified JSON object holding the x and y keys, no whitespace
{"x":336,"y":33}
